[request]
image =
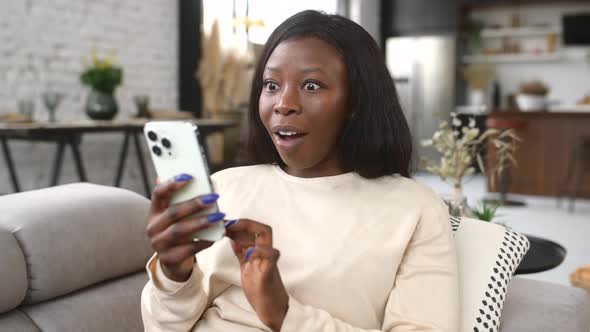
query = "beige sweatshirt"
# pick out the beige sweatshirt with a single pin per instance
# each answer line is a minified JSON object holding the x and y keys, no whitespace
{"x":356,"y":255}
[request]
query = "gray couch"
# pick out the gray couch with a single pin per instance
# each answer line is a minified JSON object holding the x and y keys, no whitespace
{"x":72,"y":259}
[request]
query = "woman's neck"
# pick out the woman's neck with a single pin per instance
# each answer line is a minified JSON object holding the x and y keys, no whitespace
{"x":328,"y":167}
{"x":308,"y":173}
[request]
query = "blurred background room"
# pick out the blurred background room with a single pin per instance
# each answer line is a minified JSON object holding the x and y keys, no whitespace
{"x":79,"y":78}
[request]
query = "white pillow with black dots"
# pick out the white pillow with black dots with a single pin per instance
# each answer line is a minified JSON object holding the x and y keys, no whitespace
{"x":488,"y":256}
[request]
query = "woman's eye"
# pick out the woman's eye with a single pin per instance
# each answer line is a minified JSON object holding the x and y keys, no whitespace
{"x":271,"y":86}
{"x":310,"y":86}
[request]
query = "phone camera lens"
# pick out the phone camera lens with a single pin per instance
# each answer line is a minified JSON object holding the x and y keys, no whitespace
{"x":157,"y":151}
{"x":166,"y":143}
{"x":152,"y":136}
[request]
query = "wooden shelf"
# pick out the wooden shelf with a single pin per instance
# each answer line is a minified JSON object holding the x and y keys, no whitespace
{"x":512,"y":58}
{"x":484,"y":4}
{"x":520,"y":32}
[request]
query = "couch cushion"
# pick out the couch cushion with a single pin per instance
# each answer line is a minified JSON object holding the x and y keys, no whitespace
{"x":17,"y":321}
{"x":76,"y":235}
{"x":13,"y":272}
{"x":109,"y":306}
{"x":488,"y":256}
{"x":533,"y":305}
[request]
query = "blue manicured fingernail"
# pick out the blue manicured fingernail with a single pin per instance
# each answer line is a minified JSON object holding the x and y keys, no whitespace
{"x":183,"y":178}
{"x":209,"y":198}
{"x":231,"y":222}
{"x":215,"y":217}
{"x":249,"y":253}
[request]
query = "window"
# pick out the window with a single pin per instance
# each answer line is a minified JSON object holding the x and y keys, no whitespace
{"x":255,"y":19}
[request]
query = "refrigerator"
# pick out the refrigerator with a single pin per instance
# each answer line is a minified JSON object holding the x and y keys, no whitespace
{"x":423,"y":69}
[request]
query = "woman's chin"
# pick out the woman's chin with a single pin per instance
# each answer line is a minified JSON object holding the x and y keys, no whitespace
{"x":292,"y":163}
{"x":302,"y":164}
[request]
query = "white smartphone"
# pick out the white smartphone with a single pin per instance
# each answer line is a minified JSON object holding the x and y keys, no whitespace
{"x":175,"y":149}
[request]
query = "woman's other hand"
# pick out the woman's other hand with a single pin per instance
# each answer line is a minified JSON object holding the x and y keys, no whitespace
{"x":171,"y":233}
{"x":261,"y":281}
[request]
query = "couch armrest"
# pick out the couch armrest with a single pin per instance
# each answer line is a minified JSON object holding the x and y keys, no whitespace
{"x":533,"y":305}
{"x":76,"y":235}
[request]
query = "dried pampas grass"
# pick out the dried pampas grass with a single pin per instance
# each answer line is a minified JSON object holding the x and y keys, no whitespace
{"x":224,"y":73}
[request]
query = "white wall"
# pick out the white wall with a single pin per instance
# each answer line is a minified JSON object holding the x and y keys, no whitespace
{"x":569,"y":79}
{"x":42,"y":44}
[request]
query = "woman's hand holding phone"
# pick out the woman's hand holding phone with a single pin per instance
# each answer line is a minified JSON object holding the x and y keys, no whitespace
{"x":171,"y":233}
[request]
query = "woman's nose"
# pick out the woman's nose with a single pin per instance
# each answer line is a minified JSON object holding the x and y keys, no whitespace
{"x":288,"y":103}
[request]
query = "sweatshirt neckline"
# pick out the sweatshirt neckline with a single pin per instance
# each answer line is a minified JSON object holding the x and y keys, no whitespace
{"x":331,"y":179}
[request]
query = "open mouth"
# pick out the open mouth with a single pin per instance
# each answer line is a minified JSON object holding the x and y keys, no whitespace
{"x":288,"y":135}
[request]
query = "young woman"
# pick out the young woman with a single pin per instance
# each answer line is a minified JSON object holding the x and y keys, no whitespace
{"x":362,"y":246}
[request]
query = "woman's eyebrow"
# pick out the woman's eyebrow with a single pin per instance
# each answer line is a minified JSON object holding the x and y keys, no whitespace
{"x":312,"y":70}
{"x":305,"y":71}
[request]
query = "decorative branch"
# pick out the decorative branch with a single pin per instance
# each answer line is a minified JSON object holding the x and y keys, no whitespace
{"x":459,"y":149}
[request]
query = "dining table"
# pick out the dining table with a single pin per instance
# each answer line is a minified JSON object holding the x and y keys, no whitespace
{"x":65,"y":134}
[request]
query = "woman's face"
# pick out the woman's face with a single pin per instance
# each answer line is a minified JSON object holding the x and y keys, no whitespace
{"x":304,"y":105}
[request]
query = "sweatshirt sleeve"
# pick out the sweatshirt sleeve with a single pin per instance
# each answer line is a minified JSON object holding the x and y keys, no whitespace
{"x":425,"y":295}
{"x":167,"y":305}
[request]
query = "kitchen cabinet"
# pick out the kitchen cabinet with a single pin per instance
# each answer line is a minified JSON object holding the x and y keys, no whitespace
{"x":419,"y":17}
{"x":545,"y":153}
{"x":468,"y":4}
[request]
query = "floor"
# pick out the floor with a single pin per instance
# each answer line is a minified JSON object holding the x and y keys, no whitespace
{"x":541,"y":217}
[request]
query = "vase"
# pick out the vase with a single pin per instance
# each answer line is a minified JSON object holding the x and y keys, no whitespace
{"x":101,"y":105}
{"x":457,"y":203}
{"x":142,"y":103}
{"x":476,"y":97}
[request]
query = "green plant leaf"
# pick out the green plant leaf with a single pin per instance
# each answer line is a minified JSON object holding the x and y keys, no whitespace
{"x":485,"y":211}
{"x":102,"y":76}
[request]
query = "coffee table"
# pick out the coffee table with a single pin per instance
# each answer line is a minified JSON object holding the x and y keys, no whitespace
{"x":543,"y":255}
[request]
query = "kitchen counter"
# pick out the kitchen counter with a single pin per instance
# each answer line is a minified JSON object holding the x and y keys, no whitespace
{"x":546,"y":151}
{"x":508,"y":113}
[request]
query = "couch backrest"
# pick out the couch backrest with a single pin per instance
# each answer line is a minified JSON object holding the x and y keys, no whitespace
{"x":57,"y":240}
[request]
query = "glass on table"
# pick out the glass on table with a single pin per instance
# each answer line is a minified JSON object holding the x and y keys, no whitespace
{"x":51,"y":99}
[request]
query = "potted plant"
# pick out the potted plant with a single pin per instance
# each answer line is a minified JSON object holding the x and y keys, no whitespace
{"x":103,"y":77}
{"x":459,"y":150}
{"x":478,"y":77}
{"x":485,"y":211}
{"x":532,"y":96}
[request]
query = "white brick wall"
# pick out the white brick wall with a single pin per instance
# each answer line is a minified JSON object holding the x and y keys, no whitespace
{"x":42,"y":44}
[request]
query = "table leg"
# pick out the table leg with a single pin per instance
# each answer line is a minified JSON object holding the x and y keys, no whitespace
{"x":74,"y":144}
{"x":577,"y":181}
{"x":57,"y":163}
{"x":122,"y":159}
{"x":10,"y":164}
{"x":141,"y":162}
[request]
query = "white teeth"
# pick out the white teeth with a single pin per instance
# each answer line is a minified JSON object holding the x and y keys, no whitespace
{"x":287,"y":133}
